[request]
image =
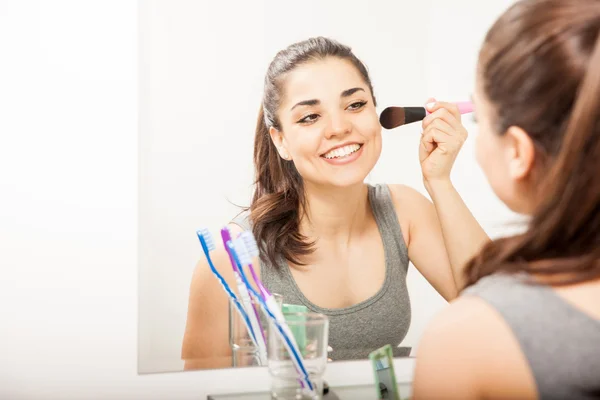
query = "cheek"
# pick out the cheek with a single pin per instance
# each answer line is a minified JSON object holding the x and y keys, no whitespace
{"x":367,"y":123}
{"x":303,"y":143}
{"x":490,"y":158}
{"x":377,"y":144}
{"x":367,"y":126}
{"x":479,"y":150}
{"x":487,"y":153}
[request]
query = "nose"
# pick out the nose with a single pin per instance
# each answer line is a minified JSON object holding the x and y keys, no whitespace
{"x":339,"y":125}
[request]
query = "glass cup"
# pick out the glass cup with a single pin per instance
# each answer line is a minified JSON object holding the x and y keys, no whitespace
{"x":244,"y":352}
{"x":311,"y":332}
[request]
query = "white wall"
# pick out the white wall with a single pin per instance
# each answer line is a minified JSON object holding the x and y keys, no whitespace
{"x":68,"y":206}
{"x":201,"y":73}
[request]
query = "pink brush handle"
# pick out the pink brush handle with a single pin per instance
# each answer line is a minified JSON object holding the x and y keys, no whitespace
{"x":464,"y":107}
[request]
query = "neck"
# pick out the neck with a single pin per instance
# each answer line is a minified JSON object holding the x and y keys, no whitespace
{"x":335,"y":214}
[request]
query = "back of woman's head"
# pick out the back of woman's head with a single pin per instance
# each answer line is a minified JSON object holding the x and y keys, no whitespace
{"x":279,"y":198}
{"x":540,"y":71}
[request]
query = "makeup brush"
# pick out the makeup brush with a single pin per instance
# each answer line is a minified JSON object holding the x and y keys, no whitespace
{"x":393,"y":117}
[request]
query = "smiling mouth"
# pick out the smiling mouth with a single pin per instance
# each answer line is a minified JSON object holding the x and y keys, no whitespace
{"x":342,"y":152}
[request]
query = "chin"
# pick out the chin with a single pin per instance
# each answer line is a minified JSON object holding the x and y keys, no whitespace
{"x":348,"y":176}
{"x":346,"y":182}
{"x":340,"y":178}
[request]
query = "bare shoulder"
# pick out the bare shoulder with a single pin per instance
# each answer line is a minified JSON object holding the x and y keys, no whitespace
{"x":465,"y":318}
{"x":411,"y":207}
{"x":408,"y":199}
{"x":470,"y":351}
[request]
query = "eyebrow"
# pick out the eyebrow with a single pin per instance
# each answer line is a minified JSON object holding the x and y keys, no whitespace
{"x":350,"y":92}
{"x":314,"y":102}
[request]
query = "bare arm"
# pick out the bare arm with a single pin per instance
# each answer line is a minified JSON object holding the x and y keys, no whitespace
{"x":441,"y":238}
{"x":425,"y":242}
{"x":443,"y":136}
{"x":463,"y":236}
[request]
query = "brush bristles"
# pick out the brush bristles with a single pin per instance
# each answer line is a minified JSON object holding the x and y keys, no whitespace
{"x":242,"y":252}
{"x":250,"y":243}
{"x":392,"y":117}
{"x":208,"y":239}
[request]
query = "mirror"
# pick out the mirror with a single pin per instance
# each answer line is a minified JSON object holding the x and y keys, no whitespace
{"x":202,"y":67}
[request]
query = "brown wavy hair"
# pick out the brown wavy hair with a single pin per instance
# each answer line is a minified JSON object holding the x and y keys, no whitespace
{"x":279,"y":197}
{"x":540,"y":69}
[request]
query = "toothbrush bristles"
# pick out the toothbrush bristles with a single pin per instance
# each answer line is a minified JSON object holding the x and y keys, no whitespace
{"x":208,"y":239}
{"x":241,"y":251}
{"x":250,"y":242}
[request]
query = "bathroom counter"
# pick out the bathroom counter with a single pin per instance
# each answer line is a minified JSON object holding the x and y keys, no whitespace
{"x":361,"y":392}
{"x":348,"y":380}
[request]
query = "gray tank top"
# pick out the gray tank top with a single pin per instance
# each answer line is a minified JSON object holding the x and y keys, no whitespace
{"x":384,"y":318}
{"x":561,"y":344}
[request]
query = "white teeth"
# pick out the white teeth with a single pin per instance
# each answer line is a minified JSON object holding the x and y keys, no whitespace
{"x":342,"y":152}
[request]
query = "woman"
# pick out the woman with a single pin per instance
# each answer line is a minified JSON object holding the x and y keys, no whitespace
{"x":528,"y":325}
{"x":329,"y":241}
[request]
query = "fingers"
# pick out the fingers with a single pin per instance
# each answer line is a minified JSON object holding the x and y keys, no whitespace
{"x":442,"y":137}
{"x":444,"y":119}
{"x":434,"y":138}
{"x":440,"y":125}
{"x":443,"y":105}
{"x":445,"y":115}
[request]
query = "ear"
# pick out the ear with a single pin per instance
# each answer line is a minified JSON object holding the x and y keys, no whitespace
{"x":279,"y":142}
{"x":521,"y":153}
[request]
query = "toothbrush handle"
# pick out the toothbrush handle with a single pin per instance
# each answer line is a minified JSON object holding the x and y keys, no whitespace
{"x":246,"y":288}
{"x":254,"y":320}
{"x":245,"y":318}
{"x":275,"y":313}
{"x":264,"y":291}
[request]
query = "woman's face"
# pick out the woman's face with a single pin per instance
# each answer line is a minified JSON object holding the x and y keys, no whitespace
{"x":329,"y":126}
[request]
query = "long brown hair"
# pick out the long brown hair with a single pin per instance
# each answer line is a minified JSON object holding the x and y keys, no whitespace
{"x":540,"y":68}
{"x":279,"y":197}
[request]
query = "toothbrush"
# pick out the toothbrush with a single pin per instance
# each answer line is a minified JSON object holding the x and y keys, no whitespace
{"x":241,"y":256}
{"x":208,"y":245}
{"x":246,"y":302}
{"x":252,"y":249}
{"x":282,"y":328}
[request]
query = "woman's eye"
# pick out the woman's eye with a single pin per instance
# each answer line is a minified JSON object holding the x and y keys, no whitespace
{"x":358,"y":105}
{"x":309,"y":118}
